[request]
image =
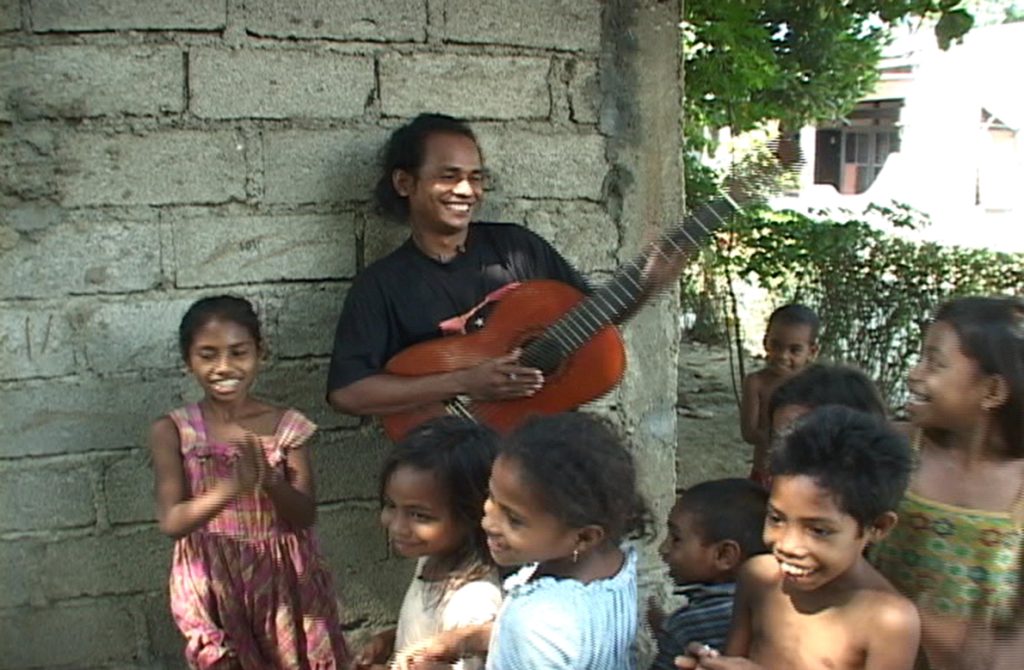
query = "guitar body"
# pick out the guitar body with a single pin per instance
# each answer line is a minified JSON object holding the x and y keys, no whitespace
{"x":592,"y":370}
{"x":570,"y":336}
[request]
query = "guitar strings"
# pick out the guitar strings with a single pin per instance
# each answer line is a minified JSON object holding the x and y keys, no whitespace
{"x":568,"y":333}
{"x":579,"y":325}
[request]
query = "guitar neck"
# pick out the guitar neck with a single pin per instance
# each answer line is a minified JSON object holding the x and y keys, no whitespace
{"x":618,"y":298}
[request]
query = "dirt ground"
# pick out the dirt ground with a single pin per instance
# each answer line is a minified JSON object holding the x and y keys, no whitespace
{"x":708,"y":427}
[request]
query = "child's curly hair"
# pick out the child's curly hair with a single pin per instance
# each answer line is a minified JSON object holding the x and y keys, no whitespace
{"x":578,"y":464}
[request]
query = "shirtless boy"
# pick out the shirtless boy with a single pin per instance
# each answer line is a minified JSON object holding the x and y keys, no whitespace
{"x":790,"y":344}
{"x":815,"y":602}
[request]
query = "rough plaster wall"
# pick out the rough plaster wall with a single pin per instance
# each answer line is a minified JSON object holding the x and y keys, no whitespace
{"x":152,"y":152}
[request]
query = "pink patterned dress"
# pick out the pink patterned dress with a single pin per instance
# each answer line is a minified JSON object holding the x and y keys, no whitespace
{"x":247,"y":589}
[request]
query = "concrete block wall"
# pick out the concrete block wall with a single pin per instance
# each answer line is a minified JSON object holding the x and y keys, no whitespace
{"x":156,"y":151}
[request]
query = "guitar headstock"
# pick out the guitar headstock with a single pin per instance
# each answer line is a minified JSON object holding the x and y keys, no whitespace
{"x":771,"y":168}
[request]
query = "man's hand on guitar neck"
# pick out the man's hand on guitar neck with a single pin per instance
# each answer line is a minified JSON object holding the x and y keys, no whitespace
{"x":662,"y":267}
{"x":501,"y":378}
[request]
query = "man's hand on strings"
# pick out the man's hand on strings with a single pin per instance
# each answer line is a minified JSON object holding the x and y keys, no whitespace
{"x":501,"y":378}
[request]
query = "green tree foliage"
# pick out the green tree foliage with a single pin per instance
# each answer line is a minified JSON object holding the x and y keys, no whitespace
{"x":874,"y":291}
{"x":752,"y":61}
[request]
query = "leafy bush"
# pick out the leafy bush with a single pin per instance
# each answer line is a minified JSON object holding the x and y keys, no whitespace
{"x":874,"y":291}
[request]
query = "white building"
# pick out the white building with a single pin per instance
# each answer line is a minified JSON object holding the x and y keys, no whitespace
{"x":943,"y":131}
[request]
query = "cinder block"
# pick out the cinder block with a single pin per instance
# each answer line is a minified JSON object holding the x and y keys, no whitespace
{"x":534,"y":165}
{"x":259,"y":83}
{"x":81,"y":258}
{"x":355,"y":546}
{"x":29,"y":164}
{"x":35,"y":342}
{"x":566,"y":25}
{"x":348,"y":464}
{"x":86,"y":633}
{"x":122,"y":562}
{"x":132,"y":335}
{"x":386,"y":21}
{"x":29,"y":499}
{"x":165,"y":640}
{"x":10,"y":15}
{"x":321,"y":166}
{"x":75,"y":416}
{"x":381,"y":236}
{"x":376,"y":600}
{"x":302,"y":385}
{"x":475,"y":87}
{"x":301,"y":319}
{"x":87,"y":81}
{"x":29,"y":217}
{"x":351,"y":537}
{"x":74,"y":16}
{"x":585,"y":92}
{"x":19,"y":580}
{"x":579,"y":231}
{"x":128,"y":487}
{"x":183,"y":166}
{"x":208,"y":252}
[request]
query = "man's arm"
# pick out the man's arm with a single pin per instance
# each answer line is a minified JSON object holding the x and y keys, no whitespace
{"x":382,"y":393}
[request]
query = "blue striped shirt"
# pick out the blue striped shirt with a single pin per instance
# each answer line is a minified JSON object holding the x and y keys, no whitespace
{"x":705,"y":619}
{"x":564,"y":624}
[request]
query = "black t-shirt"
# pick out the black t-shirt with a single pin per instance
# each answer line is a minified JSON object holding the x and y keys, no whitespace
{"x":407,"y":297}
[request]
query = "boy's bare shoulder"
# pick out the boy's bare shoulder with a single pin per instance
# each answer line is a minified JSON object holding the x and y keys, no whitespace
{"x":762,"y":375}
{"x":760,"y":572}
{"x":759,"y":379}
{"x":887,"y":610}
{"x":895,"y":613}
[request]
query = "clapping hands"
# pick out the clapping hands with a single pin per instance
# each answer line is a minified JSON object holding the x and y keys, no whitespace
{"x":250,"y":465}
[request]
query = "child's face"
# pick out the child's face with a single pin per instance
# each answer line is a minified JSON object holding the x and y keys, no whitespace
{"x":947,"y":390}
{"x":224,"y":358}
{"x":689,"y":558}
{"x":417,"y":515}
{"x":813,"y":540}
{"x":789,"y":347}
{"x":519,"y":528}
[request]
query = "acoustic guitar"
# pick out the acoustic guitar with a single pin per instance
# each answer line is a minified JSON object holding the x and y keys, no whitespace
{"x":569,"y":336}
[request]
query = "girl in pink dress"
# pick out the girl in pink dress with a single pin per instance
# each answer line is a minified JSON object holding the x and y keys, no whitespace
{"x":234,"y":487}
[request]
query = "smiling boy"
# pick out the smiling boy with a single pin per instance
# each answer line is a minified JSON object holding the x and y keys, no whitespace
{"x":790,"y":345}
{"x":815,"y":602}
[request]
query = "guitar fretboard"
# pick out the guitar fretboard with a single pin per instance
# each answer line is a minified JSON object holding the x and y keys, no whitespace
{"x":617,"y":298}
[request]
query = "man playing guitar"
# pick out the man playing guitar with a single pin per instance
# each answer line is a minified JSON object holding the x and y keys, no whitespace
{"x":443,"y":280}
